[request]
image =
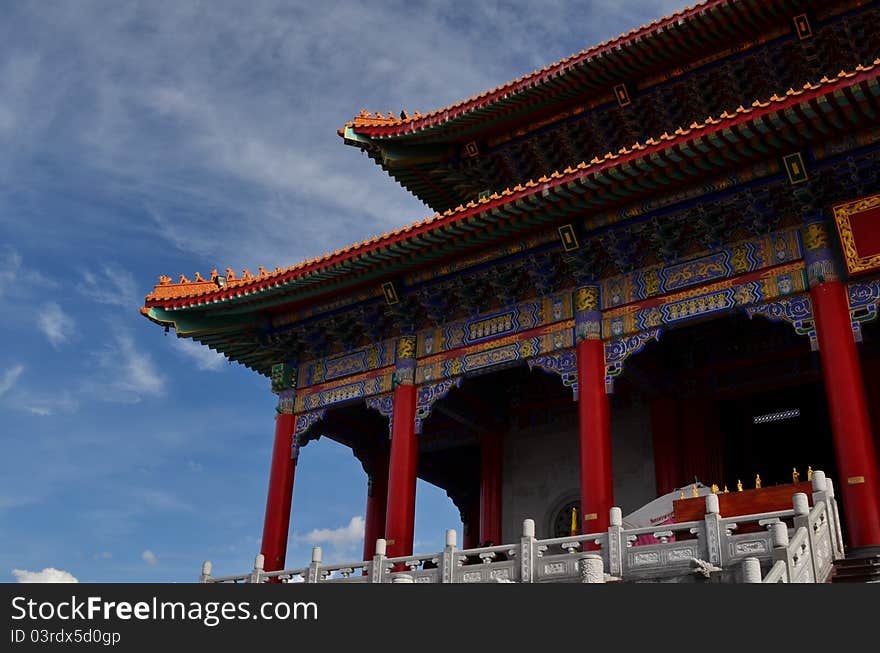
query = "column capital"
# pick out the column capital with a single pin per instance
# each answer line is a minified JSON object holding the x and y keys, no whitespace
{"x":819,"y":255}
{"x":405,"y":360}
{"x":286,"y":402}
{"x":587,"y":313}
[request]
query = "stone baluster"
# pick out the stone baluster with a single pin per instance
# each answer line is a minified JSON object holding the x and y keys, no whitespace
{"x":779,"y":542}
{"x":527,"y":552}
{"x":377,"y":571}
{"x":751,"y":570}
{"x":615,"y":542}
{"x":839,"y":552}
{"x":592,"y":568}
{"x":447,"y":558}
{"x":402,"y":578}
{"x":206,"y":572}
{"x":801,"y":504}
{"x":314,"y":573}
{"x":713,"y":530}
{"x":257,"y":573}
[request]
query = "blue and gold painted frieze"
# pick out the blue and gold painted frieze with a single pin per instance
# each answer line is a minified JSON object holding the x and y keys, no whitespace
{"x":701,"y":302}
{"x":740,"y":258}
{"x":337,"y":367}
{"x":490,"y":326}
{"x":329,"y":394}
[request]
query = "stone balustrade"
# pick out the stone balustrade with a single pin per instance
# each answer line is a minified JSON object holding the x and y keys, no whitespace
{"x":788,"y":546}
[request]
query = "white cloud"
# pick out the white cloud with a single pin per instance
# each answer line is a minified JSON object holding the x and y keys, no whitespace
{"x":9,"y":378}
{"x":125,"y":374}
{"x":103,"y":555}
{"x":47,"y":575}
{"x":111,"y":285}
{"x":55,"y":324}
{"x":205,"y":358}
{"x":342,"y":540}
{"x":150,"y":558}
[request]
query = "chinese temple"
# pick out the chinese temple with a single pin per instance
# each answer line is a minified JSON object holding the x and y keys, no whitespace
{"x":652,"y":264}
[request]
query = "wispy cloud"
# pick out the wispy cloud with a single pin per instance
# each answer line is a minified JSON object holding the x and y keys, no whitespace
{"x":206,"y":359}
{"x":9,"y":378}
{"x":150,"y":558}
{"x":47,"y":575}
{"x":125,"y":373}
{"x":343,"y":540}
{"x":55,"y":324}
{"x":110,"y":284}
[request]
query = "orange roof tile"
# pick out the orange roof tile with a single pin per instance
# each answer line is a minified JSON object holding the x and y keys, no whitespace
{"x":187,"y":290}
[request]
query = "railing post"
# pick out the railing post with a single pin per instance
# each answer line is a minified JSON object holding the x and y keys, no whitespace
{"x":779,"y":542}
{"x":592,"y":568}
{"x":377,"y":572}
{"x":527,"y":552}
{"x":801,"y":504}
{"x":615,"y":543}
{"x":314,"y":573}
{"x":751,"y":568}
{"x":713,"y":529}
{"x":206,"y":572}
{"x":839,"y":552}
{"x":447,"y":558}
{"x":257,"y":573}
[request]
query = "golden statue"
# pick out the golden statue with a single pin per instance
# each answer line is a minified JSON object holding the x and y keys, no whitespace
{"x":758,"y":481}
{"x":809,"y":473}
{"x":714,"y":488}
{"x":681,"y":495}
{"x":695,"y":492}
{"x":739,"y":485}
{"x":726,"y":490}
{"x":794,"y":475}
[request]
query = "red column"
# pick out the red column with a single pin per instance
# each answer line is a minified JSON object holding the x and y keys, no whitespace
{"x":597,"y":487}
{"x":850,"y":423}
{"x":490,"y":489}
{"x":667,"y":461}
{"x":402,"y":467}
{"x":277,"y":521}
{"x":377,"y":500}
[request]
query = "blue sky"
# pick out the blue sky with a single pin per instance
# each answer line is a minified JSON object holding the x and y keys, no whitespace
{"x":148,"y":138}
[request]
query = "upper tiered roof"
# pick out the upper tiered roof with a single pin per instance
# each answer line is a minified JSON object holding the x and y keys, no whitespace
{"x":570,"y":110}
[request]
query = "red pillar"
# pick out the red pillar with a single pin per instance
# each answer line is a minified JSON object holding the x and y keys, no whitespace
{"x":377,"y":500}
{"x":277,"y":521}
{"x":597,"y":486}
{"x":850,"y":423}
{"x":402,"y":467}
{"x":490,"y":489}
{"x":667,"y":461}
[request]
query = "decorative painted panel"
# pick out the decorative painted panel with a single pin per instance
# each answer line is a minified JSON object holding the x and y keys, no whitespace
{"x":331,"y":394}
{"x":746,"y":256}
{"x":363,"y":360}
{"x":675,"y":308}
{"x":864,"y":300}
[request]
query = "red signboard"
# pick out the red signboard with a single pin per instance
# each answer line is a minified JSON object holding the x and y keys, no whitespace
{"x":858,"y":223}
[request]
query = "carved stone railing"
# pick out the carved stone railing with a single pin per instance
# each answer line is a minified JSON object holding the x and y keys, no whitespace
{"x":792,"y":546}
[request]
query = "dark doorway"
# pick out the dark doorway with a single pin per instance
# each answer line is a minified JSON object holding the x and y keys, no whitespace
{"x":773,"y":432}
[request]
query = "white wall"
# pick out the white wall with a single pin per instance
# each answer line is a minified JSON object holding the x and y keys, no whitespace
{"x":542,"y":468}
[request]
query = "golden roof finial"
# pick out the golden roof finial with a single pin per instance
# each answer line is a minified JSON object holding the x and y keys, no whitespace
{"x":758,"y":481}
{"x":695,"y":492}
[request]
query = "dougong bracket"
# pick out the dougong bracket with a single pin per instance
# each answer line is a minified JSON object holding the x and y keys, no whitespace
{"x":617,"y":351}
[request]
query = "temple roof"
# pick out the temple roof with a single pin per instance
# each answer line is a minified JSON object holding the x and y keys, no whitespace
{"x":765,"y":128}
{"x":702,"y":59}
{"x":682,"y":30}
